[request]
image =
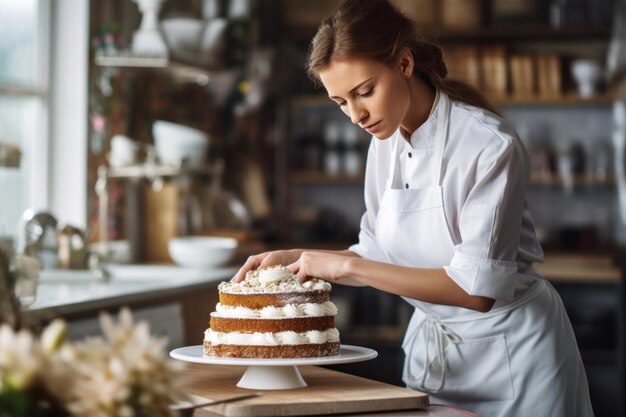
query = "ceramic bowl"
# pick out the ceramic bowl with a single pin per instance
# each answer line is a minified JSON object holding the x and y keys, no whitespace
{"x":123,"y":151}
{"x":196,"y":41}
{"x":182,"y":34}
{"x":175,"y":143}
{"x":587,"y":73}
{"x":202,"y":251}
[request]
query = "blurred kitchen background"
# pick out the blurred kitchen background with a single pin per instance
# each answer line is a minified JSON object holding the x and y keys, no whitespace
{"x":125,"y":124}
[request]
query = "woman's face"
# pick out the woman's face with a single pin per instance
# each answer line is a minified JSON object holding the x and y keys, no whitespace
{"x":373,"y":95}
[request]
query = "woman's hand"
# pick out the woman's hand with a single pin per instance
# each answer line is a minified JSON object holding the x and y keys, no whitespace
{"x":265,"y":259}
{"x":313,"y":264}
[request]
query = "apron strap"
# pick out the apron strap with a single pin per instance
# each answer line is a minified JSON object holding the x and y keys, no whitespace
{"x":434,"y":329}
{"x":441,"y":135}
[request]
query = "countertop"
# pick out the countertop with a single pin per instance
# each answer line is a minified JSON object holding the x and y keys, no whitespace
{"x":579,"y":268}
{"x":69,"y":291}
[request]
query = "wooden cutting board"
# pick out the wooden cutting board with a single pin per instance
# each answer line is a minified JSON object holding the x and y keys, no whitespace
{"x":329,"y":392}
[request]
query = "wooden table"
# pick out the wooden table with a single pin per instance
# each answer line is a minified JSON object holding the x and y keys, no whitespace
{"x":329,"y":392}
{"x":427,"y":412}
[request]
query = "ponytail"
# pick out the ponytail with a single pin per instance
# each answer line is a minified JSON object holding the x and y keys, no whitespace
{"x":431,"y":67}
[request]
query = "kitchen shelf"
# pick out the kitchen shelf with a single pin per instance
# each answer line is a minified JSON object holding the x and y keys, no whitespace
{"x":510,"y":33}
{"x":130,"y":60}
{"x":155,"y":170}
{"x":563,"y":100}
{"x":523,"y":34}
{"x":180,"y":71}
{"x":321,"y":100}
{"x":315,"y":177}
{"x":579,"y":180}
{"x":381,"y":335}
{"x":581,"y":269}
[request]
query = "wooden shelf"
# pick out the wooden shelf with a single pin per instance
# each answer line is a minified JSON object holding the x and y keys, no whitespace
{"x":519,"y":33}
{"x":381,"y":335}
{"x":591,"y":269}
{"x":315,"y":177}
{"x":151,"y":171}
{"x":180,"y":71}
{"x":130,"y":60}
{"x":569,"y":99}
{"x":579,"y":180}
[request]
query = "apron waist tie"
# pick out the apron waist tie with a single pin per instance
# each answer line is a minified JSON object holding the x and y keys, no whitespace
{"x":434,"y":329}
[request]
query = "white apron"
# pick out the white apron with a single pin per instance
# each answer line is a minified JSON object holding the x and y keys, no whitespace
{"x":517,"y":360}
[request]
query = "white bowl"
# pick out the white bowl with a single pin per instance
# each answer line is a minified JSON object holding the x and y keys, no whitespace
{"x":213,"y":40}
{"x":587,"y":73}
{"x":174,"y":143}
{"x":123,"y":151}
{"x":196,"y":41}
{"x":202,"y":251}
{"x":182,"y":34}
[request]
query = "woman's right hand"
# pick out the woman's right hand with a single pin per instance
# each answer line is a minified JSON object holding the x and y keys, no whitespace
{"x":265,"y":259}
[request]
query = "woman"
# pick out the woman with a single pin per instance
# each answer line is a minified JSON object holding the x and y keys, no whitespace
{"x":446,"y":225}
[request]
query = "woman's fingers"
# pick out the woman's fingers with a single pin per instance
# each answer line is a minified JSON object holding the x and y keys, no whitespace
{"x":297,"y":268}
{"x":294,"y":267}
{"x":264,"y":260}
{"x":252,"y":263}
{"x":270,"y":260}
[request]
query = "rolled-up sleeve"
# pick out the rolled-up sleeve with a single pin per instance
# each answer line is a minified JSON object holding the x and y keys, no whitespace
{"x":485,"y":261}
{"x":367,"y":246}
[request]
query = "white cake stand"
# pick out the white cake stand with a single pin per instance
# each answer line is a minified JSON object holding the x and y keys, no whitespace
{"x":274,"y":374}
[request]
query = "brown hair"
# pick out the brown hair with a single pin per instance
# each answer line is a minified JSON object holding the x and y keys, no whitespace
{"x":377,"y":30}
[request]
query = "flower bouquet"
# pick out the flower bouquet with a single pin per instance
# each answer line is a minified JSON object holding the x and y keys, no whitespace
{"x":124,"y":373}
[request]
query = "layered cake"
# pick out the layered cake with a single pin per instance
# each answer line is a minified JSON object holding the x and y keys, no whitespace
{"x":270,"y":314}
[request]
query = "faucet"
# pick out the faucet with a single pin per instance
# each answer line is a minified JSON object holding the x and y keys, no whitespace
{"x":40,"y":237}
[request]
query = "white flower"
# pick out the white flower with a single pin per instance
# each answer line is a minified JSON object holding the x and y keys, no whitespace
{"x":53,"y":336}
{"x":20,"y":359}
{"x":126,"y":373}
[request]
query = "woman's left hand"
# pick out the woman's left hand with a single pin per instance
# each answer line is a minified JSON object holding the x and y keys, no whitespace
{"x":326,"y":266}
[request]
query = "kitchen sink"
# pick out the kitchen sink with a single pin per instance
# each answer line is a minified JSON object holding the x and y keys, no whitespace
{"x":122,"y":273}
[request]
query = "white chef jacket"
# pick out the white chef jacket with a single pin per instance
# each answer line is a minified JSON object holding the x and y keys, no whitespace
{"x":486,"y":172}
{"x":454,"y":198}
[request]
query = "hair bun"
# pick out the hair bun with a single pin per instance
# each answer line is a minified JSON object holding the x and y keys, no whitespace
{"x":429,"y":57}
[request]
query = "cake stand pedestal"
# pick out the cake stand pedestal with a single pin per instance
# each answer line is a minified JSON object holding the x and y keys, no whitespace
{"x":275,"y":377}
{"x":274,"y":374}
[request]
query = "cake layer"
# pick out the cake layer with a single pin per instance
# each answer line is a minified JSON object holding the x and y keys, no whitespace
{"x":275,"y":279}
{"x":252,"y":325}
{"x":267,"y":352}
{"x":272,"y":339}
{"x":272,"y":312}
{"x":258,"y":301}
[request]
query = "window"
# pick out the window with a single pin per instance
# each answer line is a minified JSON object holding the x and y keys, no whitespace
{"x":24,"y":46}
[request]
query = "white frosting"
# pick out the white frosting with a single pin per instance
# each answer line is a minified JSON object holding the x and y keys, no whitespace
{"x":274,"y":274}
{"x":275,"y":279}
{"x":270,"y":312}
{"x":271,"y":339}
